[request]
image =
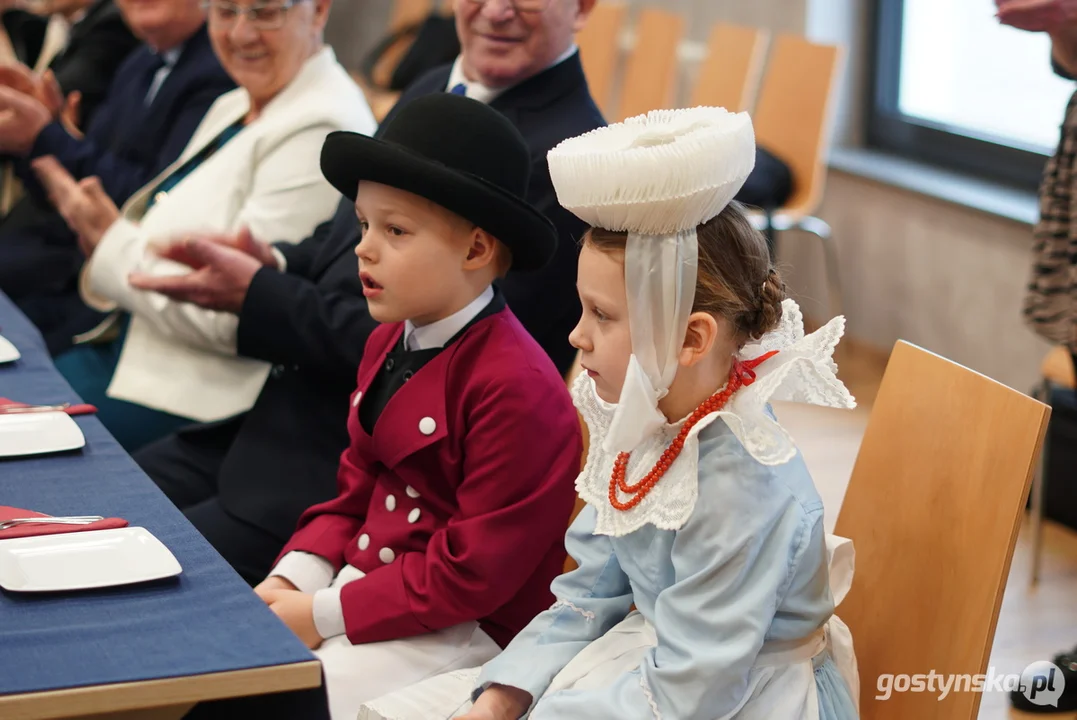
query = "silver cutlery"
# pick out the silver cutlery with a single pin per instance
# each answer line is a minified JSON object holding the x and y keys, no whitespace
{"x":59,"y":520}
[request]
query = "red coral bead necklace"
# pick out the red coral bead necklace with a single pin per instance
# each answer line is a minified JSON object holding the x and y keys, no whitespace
{"x":741,"y":375}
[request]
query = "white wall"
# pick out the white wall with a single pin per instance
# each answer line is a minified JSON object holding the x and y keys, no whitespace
{"x":943,"y":277}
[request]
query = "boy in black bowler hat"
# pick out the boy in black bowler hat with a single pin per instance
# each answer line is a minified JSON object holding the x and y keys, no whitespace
{"x":458,"y":483}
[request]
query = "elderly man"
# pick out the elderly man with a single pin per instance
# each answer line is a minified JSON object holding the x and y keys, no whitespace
{"x":156,"y":100}
{"x":302,"y":307}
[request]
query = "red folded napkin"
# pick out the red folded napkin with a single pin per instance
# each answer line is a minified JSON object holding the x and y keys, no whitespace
{"x":31,"y":529}
{"x":82,"y":409}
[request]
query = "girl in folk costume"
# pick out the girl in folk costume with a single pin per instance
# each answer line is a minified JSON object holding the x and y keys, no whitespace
{"x":700,"y":511}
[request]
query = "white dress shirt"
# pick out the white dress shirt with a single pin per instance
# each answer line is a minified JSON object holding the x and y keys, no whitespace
{"x":485,"y":95}
{"x":436,"y":334}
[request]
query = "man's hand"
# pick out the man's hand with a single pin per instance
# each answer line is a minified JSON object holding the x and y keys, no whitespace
{"x":245,"y":242}
{"x":1036,"y":15}
{"x":44,"y":88}
{"x":22,"y":118}
{"x":71,"y":115}
{"x":296,"y":610}
{"x":83,"y":204}
{"x":222,"y":273}
{"x":22,"y":79}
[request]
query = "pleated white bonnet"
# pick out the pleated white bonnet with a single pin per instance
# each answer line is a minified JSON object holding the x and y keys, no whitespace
{"x":656,"y":177}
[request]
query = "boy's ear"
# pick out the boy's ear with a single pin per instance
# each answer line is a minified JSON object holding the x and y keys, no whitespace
{"x":482,"y":249}
{"x":702,"y":334}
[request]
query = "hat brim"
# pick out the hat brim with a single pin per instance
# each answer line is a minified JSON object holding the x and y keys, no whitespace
{"x":349,"y":158}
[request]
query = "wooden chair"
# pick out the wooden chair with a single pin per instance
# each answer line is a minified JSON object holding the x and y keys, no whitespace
{"x":650,"y":76}
{"x":793,"y":120}
{"x":1057,"y":371}
{"x":600,"y":49}
{"x":404,"y":13}
{"x":933,"y":510}
{"x":730,"y":75}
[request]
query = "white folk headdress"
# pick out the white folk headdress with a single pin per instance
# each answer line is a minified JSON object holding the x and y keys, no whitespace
{"x":657,"y":177}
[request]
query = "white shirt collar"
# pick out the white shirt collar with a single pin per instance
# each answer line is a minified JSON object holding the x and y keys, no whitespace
{"x":483,"y":94}
{"x":436,"y":334}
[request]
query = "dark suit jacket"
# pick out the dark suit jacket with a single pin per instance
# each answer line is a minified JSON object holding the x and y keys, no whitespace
{"x":312,"y":321}
{"x":130,"y":142}
{"x":127,"y":144}
{"x":98,"y":43}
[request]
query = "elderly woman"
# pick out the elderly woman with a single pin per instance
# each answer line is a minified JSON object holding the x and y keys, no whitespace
{"x":252,"y":164}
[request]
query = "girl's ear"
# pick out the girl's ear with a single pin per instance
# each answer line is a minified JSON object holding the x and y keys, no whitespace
{"x":703,"y":332}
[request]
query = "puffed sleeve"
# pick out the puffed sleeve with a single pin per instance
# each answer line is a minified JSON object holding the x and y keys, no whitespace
{"x":590,"y":600}
{"x":733,"y":561}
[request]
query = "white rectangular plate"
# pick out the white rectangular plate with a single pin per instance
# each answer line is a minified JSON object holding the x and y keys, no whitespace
{"x":8,"y":352}
{"x":84,"y":560}
{"x":37,"y":433}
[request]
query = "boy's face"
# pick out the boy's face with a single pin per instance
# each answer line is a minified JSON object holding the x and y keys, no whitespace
{"x":412,"y":255}
{"x":603,"y":334}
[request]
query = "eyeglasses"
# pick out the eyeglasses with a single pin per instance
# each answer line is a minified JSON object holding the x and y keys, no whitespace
{"x":261,"y":16}
{"x":523,"y":6}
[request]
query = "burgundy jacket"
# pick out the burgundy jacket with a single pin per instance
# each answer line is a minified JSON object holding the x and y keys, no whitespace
{"x":456,"y":508}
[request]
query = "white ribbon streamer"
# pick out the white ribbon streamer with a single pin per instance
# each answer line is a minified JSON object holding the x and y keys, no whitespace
{"x":660,"y":279}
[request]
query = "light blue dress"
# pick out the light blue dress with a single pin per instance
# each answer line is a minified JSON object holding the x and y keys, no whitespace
{"x":748,"y":568}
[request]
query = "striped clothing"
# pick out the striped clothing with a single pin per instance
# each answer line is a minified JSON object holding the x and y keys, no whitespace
{"x":1051,"y":303}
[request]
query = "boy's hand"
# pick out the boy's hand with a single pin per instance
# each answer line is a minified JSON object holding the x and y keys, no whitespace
{"x":499,"y":702}
{"x":273,"y":582}
{"x":296,"y":609}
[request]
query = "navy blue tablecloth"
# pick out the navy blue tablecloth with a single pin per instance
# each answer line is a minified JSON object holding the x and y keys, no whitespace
{"x":206,"y":620}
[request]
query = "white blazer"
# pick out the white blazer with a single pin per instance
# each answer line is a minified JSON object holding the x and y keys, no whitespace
{"x":178,"y":357}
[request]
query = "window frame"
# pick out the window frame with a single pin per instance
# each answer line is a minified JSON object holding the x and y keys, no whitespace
{"x":889,"y":130}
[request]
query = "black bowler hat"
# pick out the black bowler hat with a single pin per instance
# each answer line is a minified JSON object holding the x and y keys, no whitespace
{"x":455,"y":152}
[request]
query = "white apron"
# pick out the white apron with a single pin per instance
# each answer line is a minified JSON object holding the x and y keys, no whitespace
{"x":355,"y":674}
{"x":781,"y":685}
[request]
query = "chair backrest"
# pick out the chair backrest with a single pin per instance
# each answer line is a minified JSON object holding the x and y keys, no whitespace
{"x":729,"y":77}
{"x":406,"y":12}
{"x":600,"y":49}
{"x":793,"y":115}
{"x":933,"y":510}
{"x":650,"y":76}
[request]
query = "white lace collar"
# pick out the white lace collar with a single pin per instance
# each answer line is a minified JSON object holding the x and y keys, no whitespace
{"x":802,"y":371}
